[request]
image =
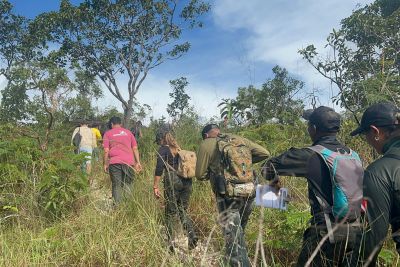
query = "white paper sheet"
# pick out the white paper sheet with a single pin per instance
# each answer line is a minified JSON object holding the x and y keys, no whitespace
{"x":266,"y":196}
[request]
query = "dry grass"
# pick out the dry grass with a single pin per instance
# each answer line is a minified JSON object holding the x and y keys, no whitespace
{"x":133,"y":234}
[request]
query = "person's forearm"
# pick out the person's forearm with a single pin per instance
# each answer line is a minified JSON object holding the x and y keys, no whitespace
{"x":105,"y":157}
{"x":136,"y":154}
{"x":156,"y":181}
{"x":396,"y":234}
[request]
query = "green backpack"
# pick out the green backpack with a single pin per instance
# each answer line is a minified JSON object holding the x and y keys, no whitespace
{"x":236,"y":160}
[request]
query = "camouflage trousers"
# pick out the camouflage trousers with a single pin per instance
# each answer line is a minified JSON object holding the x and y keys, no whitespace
{"x":177,"y":193}
{"x":233,"y":217}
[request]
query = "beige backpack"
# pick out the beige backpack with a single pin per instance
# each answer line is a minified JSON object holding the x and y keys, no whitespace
{"x":186,"y":164}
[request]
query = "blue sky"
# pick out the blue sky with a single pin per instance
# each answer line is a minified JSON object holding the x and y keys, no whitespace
{"x":239,"y":44}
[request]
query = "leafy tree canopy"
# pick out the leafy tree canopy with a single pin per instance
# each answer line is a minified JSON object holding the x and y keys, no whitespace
{"x":275,"y":100}
{"x":364,"y":59}
{"x":180,"y":98}
{"x":126,"y":38}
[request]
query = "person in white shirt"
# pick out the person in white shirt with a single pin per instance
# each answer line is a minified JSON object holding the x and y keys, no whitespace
{"x":87,"y":143}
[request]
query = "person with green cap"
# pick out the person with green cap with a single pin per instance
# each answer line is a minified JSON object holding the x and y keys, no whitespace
{"x":334,"y":175}
{"x":380,"y":126}
{"x":234,"y":204}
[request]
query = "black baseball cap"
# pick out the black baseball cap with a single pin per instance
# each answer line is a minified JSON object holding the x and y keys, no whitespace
{"x":162,"y":130}
{"x":379,"y":115}
{"x":208,"y":128}
{"x":325,"y":119}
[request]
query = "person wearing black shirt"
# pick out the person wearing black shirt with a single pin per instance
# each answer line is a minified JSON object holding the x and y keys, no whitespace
{"x":380,"y":126}
{"x":177,"y":190}
{"x":323,"y":125}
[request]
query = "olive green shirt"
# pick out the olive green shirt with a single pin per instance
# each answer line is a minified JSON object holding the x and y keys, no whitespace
{"x":209,"y":157}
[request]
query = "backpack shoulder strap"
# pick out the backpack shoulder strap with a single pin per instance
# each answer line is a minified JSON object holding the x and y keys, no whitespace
{"x":322,"y":152}
{"x":165,"y":161}
{"x":319,"y":150}
{"x":326,"y":208}
{"x":221,"y":137}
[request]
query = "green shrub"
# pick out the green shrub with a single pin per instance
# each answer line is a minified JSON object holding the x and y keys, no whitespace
{"x":62,"y":182}
{"x":33,"y":180}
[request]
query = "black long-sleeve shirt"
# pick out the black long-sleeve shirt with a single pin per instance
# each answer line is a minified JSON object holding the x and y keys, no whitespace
{"x":382,"y":192}
{"x":164,"y":156}
{"x":304,"y":162}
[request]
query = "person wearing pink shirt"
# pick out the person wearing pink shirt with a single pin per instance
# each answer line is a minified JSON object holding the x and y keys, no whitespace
{"x":121,"y":158}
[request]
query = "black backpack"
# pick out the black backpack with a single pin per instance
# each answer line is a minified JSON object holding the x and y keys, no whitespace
{"x":76,"y":141}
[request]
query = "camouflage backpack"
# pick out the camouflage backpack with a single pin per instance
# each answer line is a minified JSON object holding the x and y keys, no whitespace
{"x":186,"y":164}
{"x":236,"y":161}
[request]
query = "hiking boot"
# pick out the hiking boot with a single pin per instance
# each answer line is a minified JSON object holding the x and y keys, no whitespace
{"x":192,"y":243}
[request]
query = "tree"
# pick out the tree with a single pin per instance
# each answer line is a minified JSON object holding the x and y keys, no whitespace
{"x":276,"y":99}
{"x":80,"y":106}
{"x":31,"y":65}
{"x":51,"y":86}
{"x":13,"y":30}
{"x":364,"y":62}
{"x":124,"y":38}
{"x":230,"y":112}
{"x":180,"y":98}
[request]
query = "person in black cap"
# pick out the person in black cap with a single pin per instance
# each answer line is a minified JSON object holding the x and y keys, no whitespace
{"x":234,"y":211}
{"x":317,"y":250}
{"x":380,"y":127}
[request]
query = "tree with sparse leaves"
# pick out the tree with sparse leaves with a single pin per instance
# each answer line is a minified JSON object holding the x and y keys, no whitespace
{"x":114,"y":39}
{"x":180,"y":98}
{"x":40,"y":78}
{"x":364,"y":62}
{"x":275,"y":100}
{"x":13,"y":49}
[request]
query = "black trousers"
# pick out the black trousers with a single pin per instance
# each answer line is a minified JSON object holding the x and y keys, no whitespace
{"x":344,"y":252}
{"x":177,"y":193}
{"x":121,"y":181}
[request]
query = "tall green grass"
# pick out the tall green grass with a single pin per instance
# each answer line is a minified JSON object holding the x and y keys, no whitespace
{"x":93,"y":234}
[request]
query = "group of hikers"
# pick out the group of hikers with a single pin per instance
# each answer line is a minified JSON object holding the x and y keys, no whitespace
{"x":351,"y":208}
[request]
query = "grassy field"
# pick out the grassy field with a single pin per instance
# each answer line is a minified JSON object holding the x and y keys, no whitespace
{"x":93,"y":233}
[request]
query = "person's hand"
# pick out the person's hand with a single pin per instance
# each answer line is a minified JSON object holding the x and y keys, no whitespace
{"x":266,"y":171}
{"x":157,"y":192}
{"x":276,"y":184}
{"x":138,"y":167}
{"x":105,"y":168}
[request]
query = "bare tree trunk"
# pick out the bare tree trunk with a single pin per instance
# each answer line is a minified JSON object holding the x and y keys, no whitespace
{"x":128,"y":112}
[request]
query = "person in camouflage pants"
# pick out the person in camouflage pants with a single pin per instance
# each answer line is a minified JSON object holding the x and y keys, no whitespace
{"x":233,"y":218}
{"x":234,"y":212}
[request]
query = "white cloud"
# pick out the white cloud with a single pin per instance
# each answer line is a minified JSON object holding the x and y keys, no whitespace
{"x":278,"y":29}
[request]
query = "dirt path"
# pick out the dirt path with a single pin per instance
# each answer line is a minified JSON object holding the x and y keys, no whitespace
{"x":203,"y":255}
